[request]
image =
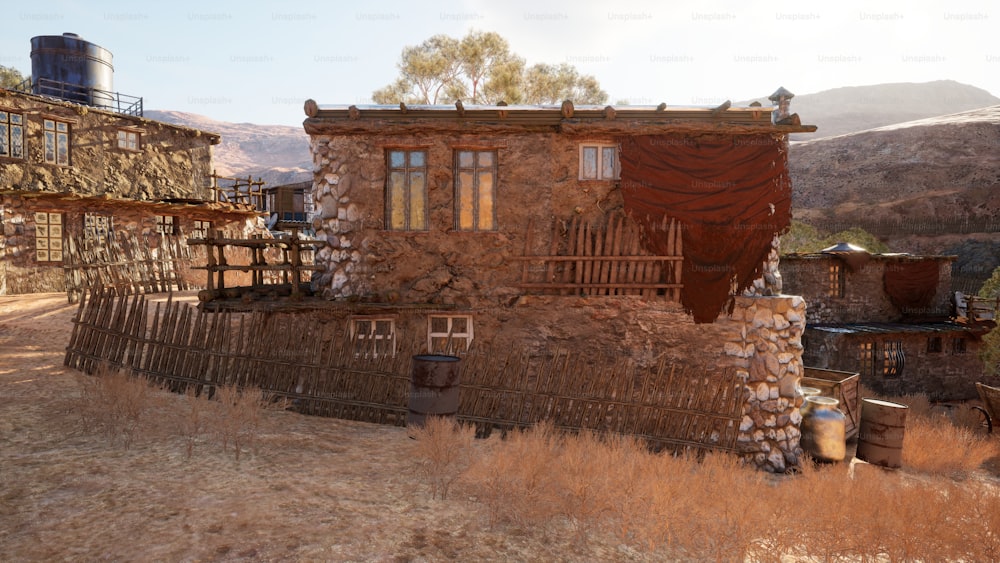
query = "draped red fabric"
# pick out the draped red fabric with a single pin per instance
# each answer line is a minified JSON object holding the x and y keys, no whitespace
{"x":911,"y":285}
{"x":732,"y":195}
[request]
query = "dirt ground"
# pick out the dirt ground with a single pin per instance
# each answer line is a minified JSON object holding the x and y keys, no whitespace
{"x":316,"y":489}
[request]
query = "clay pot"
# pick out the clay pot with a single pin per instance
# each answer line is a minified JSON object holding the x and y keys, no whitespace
{"x":824,"y":429}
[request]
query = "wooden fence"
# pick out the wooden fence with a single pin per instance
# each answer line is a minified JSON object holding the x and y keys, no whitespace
{"x":323,"y":372}
{"x":125,"y":264}
{"x":608,"y":259}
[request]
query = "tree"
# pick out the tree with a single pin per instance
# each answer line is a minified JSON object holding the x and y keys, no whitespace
{"x":989,"y":350}
{"x":10,"y":77}
{"x":805,"y":238}
{"x":480,"y":69}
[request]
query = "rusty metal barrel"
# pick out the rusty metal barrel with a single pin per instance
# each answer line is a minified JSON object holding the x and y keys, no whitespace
{"x":433,"y":388}
{"x":880,"y":436}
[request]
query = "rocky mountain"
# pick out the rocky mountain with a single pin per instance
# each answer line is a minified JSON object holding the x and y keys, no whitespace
{"x":857,"y":108}
{"x":276,"y":153}
{"x":925,"y":186}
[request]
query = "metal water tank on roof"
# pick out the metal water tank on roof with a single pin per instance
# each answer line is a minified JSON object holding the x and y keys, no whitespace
{"x":65,"y":66}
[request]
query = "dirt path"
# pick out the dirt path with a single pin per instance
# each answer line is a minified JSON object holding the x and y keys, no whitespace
{"x":317,"y":489}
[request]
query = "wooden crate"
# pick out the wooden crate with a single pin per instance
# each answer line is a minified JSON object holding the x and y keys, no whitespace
{"x":841,"y":385}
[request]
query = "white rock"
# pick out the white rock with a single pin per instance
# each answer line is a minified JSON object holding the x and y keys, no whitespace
{"x":777,"y":460}
{"x":763,"y":392}
{"x":796,"y":417}
{"x":785,"y":357}
{"x":746,"y":423}
{"x":780,"y":322}
{"x":794,"y":317}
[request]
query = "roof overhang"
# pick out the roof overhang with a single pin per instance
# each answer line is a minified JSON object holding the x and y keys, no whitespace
{"x":565,"y":119}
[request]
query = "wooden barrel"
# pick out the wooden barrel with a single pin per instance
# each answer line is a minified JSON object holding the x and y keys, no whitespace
{"x":880,"y":437}
{"x":433,"y":388}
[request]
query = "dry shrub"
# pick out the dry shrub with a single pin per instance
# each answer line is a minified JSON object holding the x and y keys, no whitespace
{"x":443,"y":450}
{"x":237,"y":418}
{"x":513,"y":476}
{"x":115,"y":403}
{"x":936,"y":446}
{"x":192,"y":418}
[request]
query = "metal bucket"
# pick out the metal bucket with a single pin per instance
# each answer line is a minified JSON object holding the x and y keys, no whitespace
{"x":433,"y":388}
{"x":880,"y":438}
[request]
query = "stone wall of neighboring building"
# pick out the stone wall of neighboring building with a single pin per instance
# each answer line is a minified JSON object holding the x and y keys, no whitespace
{"x":863,"y":290}
{"x":940,"y":362}
{"x":167,"y":161}
{"x":36,"y":228}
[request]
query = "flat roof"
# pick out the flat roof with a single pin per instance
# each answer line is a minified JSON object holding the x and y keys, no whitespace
{"x":564,"y":118}
{"x":890,"y":328}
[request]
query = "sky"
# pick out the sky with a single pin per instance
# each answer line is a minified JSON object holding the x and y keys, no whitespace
{"x":258,"y":61}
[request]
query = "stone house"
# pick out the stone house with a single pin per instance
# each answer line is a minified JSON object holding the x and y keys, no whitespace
{"x":646,"y":232}
{"x":72,"y":170}
{"x":889,"y":317}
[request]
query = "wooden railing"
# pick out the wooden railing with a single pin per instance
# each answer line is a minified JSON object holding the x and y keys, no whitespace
{"x":287,"y":270}
{"x":603,"y":260}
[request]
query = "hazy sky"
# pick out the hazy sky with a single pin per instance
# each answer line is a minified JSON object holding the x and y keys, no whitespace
{"x":258,"y":61}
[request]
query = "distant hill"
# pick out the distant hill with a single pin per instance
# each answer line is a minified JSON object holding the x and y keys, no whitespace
{"x":857,"y":108}
{"x":276,"y":153}
{"x":925,"y":186}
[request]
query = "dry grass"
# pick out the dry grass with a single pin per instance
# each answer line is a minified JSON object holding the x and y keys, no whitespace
{"x":331,"y":490}
{"x":443,"y":452}
{"x":116,"y":404}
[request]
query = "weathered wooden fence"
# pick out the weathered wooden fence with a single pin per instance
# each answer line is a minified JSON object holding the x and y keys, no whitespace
{"x":607,"y":259}
{"x":322,"y":372}
{"x":125,"y":264}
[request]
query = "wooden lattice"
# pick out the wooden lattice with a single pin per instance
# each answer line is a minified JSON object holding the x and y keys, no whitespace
{"x":605,"y":259}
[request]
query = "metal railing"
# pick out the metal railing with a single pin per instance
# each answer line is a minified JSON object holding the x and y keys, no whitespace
{"x":94,"y":97}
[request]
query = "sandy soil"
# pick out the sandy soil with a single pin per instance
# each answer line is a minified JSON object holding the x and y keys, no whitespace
{"x":316,"y":489}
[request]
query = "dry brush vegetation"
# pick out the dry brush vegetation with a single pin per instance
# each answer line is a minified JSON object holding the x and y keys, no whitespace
{"x":161,"y":481}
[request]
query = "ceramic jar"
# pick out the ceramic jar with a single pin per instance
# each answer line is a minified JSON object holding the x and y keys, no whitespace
{"x":824,"y":429}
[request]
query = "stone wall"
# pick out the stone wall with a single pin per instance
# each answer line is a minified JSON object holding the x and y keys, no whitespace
{"x":864,"y":297}
{"x":18,"y":232}
{"x":171,"y":162}
{"x":536,"y":183}
{"x":945,"y":375}
{"x":763,"y":339}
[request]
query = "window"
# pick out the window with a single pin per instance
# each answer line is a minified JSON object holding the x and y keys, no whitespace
{"x":449,"y":333}
{"x":48,"y":237}
{"x":166,"y":225}
{"x":836,"y":282}
{"x":475,"y":190}
{"x":598,"y":161}
{"x":11,"y":134}
{"x":866,"y":358}
{"x":96,"y":228}
{"x":406,"y":191}
{"x":128,"y":140}
{"x":957,"y":345}
{"x":892,"y":359}
{"x":934,"y":345}
{"x":56,"y":142}
{"x":374,"y":336}
{"x":200,"y":229}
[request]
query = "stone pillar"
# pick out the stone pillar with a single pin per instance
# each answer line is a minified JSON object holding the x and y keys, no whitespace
{"x":764,"y":342}
{"x":336,"y":221}
{"x":770,"y":281}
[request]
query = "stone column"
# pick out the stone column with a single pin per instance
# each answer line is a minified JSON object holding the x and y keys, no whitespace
{"x":336,"y":221}
{"x":765,"y":344}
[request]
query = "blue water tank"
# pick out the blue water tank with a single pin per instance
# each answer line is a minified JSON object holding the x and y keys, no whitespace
{"x":65,"y":66}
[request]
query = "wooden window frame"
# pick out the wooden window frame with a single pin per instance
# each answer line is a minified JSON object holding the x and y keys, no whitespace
{"x":7,"y":134}
{"x":200,"y":229}
{"x":49,"y":236}
{"x":836,"y":282}
{"x":449,"y":333}
{"x":54,"y":140}
{"x":893,"y":358}
{"x":409,"y":172}
{"x":124,"y":134}
{"x":867,"y":353}
{"x":366,"y":342}
{"x":97,"y":231}
{"x":959,"y":345}
{"x":162,"y":223}
{"x":600,"y":174}
{"x":476,"y":170}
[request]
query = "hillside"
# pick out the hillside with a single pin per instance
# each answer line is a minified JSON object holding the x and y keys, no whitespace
{"x":925,"y":186}
{"x":279,"y":154}
{"x":857,"y":108}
